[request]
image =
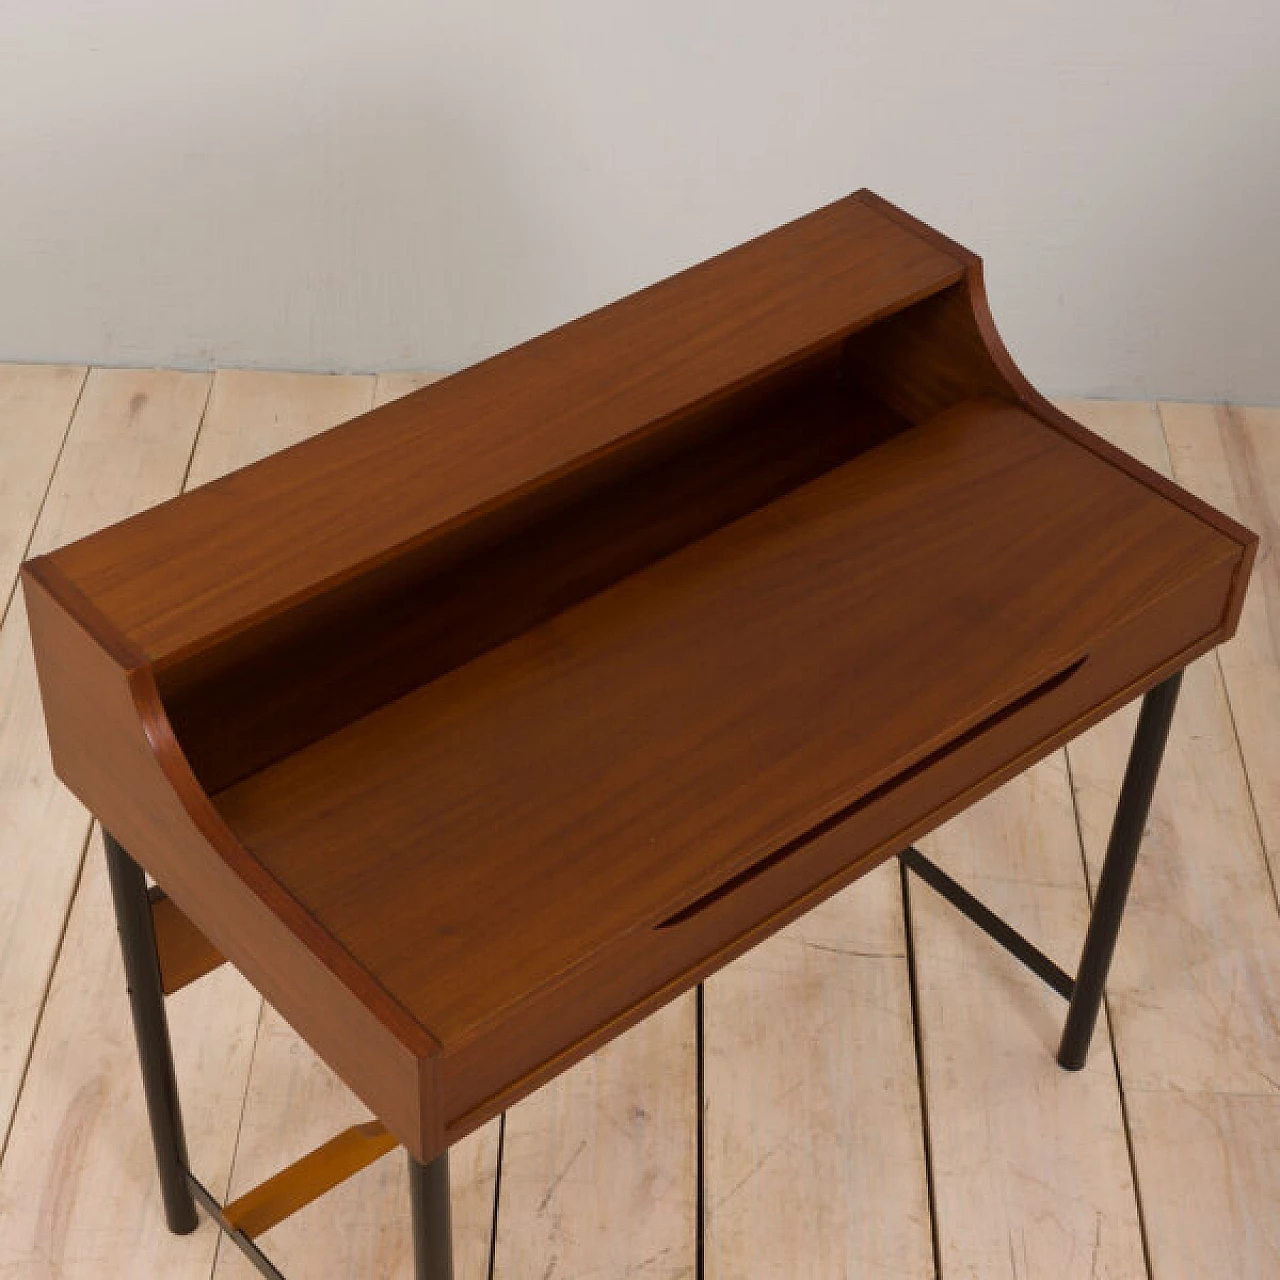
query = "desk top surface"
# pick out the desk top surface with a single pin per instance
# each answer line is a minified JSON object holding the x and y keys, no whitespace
{"x":471,"y":841}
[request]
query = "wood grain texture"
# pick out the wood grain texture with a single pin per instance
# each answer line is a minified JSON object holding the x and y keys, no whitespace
{"x":36,"y":402}
{"x":1196,"y":981}
{"x":1031,"y":1171}
{"x":309,"y":671}
{"x":599,"y":1169}
{"x":513,"y":423}
{"x":309,"y":1177}
{"x":488,"y":761}
{"x":127,"y":448}
{"x":185,"y":954}
{"x":815,"y":1162}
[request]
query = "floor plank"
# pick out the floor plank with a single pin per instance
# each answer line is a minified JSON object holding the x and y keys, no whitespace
{"x":391,"y":386}
{"x":128,"y":447}
{"x":599,"y":1167}
{"x":1031,"y":1168}
{"x":1231,"y":458}
{"x":1029,"y":1165}
{"x":214,"y":1020}
{"x":78,"y":1193}
{"x":1196,"y":980}
{"x":814,"y":1152}
{"x":360,"y":1228}
{"x":36,"y":403}
{"x":253,"y":414}
{"x":293,"y":1101}
{"x":1210,"y":1170}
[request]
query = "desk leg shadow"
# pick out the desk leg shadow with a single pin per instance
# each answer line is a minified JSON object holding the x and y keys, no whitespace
{"x":1084,"y":992}
{"x":296,"y":1186}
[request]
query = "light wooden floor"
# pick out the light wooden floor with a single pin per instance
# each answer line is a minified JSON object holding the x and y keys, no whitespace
{"x":877,"y":1086}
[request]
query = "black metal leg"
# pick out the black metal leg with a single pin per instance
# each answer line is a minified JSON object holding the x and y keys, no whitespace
{"x":432,"y":1222}
{"x":151,"y":1027}
{"x":429,"y":1183}
{"x":1117,"y":870}
{"x":1085,"y":990}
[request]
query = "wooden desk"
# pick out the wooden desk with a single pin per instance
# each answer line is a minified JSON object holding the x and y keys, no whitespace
{"x":475,"y":729}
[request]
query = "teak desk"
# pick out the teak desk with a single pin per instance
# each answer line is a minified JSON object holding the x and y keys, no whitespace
{"x":475,"y":729}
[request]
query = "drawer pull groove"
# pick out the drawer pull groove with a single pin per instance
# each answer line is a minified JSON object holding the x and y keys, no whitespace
{"x":899,"y":779}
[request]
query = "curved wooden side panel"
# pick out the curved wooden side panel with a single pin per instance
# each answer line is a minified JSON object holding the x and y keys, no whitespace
{"x":112,"y":746}
{"x":980,"y":308}
{"x":947,"y":348}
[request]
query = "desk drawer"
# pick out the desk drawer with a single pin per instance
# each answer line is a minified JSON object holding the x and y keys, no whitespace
{"x":651,"y":966}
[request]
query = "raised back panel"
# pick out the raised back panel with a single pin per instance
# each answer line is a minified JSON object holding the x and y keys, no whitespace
{"x":336,"y":506}
{"x":274,"y":687}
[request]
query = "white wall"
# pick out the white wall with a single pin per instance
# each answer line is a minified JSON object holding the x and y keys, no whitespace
{"x":394,"y":184}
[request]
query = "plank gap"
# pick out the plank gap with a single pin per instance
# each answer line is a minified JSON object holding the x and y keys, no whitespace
{"x":904,"y":880}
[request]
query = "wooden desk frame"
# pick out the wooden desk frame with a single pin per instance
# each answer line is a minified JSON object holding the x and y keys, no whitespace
{"x":429,"y":1183}
{"x":370,"y":710}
